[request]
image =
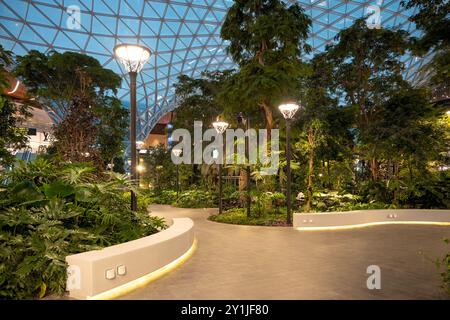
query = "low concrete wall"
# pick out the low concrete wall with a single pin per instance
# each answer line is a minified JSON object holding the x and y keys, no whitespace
{"x":94,"y":272}
{"x":351,"y":219}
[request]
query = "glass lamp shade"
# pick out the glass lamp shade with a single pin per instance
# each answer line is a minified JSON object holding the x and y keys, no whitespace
{"x":220,"y":126}
{"x":132,"y":56}
{"x":177,"y":152}
{"x":288,"y":110}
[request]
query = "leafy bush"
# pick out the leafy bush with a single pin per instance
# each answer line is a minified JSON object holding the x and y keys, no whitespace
{"x":196,"y":199}
{"x":431,"y":193}
{"x":239,"y":216}
{"x":445,"y":274}
{"x":48,"y":212}
{"x":427,"y":191}
{"x":261,"y":203}
{"x":166,"y":197}
{"x":278,"y":200}
{"x":232,"y":199}
{"x":148,"y":197}
{"x":333,"y":201}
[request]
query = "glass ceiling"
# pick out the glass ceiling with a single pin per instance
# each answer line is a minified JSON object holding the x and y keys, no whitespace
{"x":184,"y":36}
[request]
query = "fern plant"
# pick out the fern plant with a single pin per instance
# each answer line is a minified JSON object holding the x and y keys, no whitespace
{"x":48,"y":212}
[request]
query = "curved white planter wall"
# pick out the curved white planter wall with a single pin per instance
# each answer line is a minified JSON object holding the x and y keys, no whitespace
{"x":353,"y":219}
{"x":94,"y":272}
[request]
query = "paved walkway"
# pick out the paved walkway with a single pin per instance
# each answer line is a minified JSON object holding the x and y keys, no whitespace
{"x":246,"y":262}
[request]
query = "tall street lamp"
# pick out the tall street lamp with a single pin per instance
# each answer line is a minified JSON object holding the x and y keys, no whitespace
{"x":220,"y":127}
{"x":288,"y":110}
{"x":133,"y":57}
{"x":177,"y":153}
{"x":245,"y":120}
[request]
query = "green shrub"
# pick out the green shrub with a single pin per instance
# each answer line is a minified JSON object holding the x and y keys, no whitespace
{"x":48,"y":212}
{"x":333,"y":201}
{"x":431,"y":193}
{"x":166,"y":197}
{"x":232,"y":199}
{"x":261,"y":203}
{"x":278,"y":199}
{"x":158,"y":197}
{"x":239,"y":216}
{"x":444,"y":264}
{"x":196,"y":199}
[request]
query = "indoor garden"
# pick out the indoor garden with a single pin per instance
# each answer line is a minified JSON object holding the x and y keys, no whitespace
{"x":362,"y":136}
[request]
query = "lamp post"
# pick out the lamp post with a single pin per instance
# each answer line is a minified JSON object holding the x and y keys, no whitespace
{"x":133,"y":57}
{"x":245,"y":119}
{"x":177,"y":153}
{"x":139,"y":145}
{"x":288,"y":110}
{"x":220,"y":127}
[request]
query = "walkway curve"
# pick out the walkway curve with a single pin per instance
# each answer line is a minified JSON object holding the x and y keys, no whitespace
{"x":248,"y":262}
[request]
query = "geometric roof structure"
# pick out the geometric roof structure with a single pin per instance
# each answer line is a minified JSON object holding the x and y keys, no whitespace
{"x":184,"y":36}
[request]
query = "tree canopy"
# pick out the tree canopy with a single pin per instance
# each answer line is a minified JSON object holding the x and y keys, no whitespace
{"x":12,"y":137}
{"x":92,"y":122}
{"x":57,"y":77}
{"x":266,"y":39}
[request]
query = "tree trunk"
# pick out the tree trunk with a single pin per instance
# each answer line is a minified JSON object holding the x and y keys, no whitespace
{"x":242,"y":185}
{"x":309,"y":188}
{"x":267,"y":110}
{"x":328,"y":174}
{"x":374,"y":166}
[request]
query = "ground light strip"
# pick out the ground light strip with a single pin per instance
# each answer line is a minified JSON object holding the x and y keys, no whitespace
{"x":369,"y":224}
{"x":146,"y":279}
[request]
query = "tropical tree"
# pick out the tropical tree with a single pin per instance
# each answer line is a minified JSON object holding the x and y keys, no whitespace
{"x":11,"y":115}
{"x":367,"y":71}
{"x":433,"y":19}
{"x":92,"y":122}
{"x":79,"y":127}
{"x":323,"y":125}
{"x":197,"y":98}
{"x":266,"y":39}
{"x":409,"y":135}
{"x":111,"y":129}
{"x":56,"y":78}
{"x":159,"y":168}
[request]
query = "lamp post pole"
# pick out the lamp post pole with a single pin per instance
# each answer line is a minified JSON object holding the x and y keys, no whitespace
{"x":246,"y":119}
{"x":220,"y":188}
{"x":133,"y":76}
{"x":221,"y":127}
{"x":178,"y":180}
{"x":133,"y":57}
{"x":177,"y":153}
{"x":247,"y":151}
{"x":288,"y":172}
{"x":288,"y":110}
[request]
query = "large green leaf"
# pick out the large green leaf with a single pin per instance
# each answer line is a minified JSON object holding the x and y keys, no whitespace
{"x":25,"y":191}
{"x":84,"y":195}
{"x":58,"y":189}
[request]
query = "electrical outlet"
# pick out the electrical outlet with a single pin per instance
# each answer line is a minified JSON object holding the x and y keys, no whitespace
{"x":110,"y":274}
{"x":121,"y":270}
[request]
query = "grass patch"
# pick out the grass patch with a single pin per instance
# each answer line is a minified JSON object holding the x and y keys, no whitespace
{"x":239,"y":216}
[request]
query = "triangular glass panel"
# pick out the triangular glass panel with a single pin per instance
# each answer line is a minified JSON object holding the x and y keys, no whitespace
{"x":180,"y":10}
{"x":159,"y":8}
{"x":150,"y":27}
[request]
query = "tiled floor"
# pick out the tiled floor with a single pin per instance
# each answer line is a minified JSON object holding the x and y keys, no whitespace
{"x":245,"y":262}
